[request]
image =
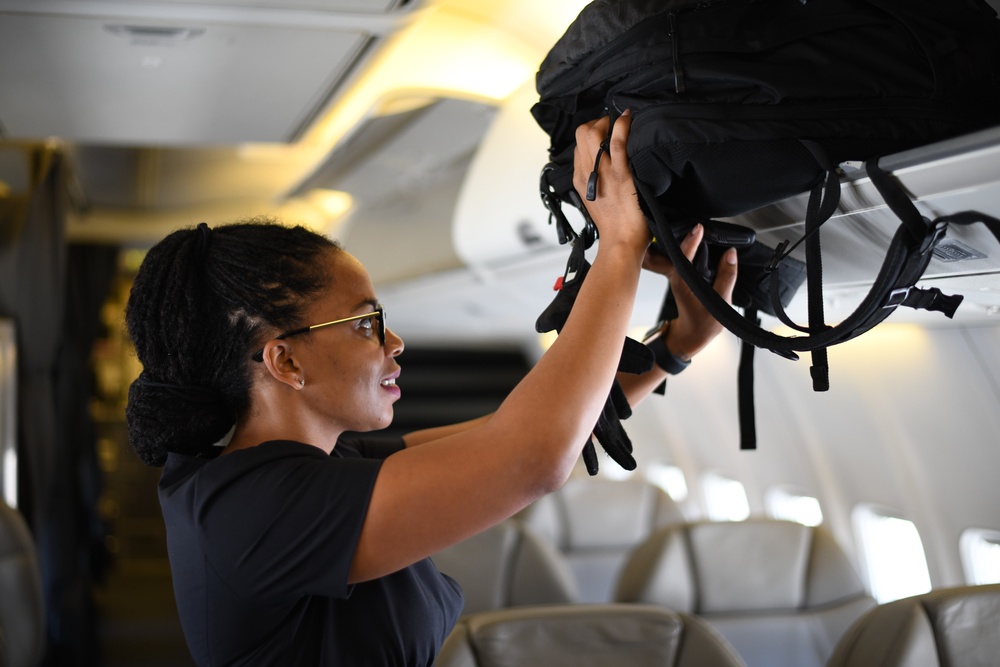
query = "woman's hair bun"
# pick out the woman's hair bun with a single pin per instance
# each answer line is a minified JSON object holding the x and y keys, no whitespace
{"x":162,"y":419}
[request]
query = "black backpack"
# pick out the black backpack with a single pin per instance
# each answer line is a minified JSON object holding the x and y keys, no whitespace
{"x":742,"y":103}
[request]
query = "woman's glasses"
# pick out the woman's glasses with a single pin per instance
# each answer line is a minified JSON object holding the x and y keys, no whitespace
{"x":378,"y":314}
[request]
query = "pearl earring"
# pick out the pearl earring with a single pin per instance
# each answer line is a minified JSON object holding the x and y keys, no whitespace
{"x":302,"y":382}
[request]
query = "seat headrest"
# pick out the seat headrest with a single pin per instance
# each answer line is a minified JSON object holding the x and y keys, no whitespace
{"x":507,"y":565}
{"x":595,"y":513}
{"x":746,"y":566}
{"x":948,"y":626}
{"x":22,"y":608}
{"x":598,"y":635}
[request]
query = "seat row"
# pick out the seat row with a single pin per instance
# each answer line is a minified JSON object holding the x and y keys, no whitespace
{"x":953,"y":627}
{"x":760,"y":593}
{"x":22,"y":620}
{"x":755,"y":593}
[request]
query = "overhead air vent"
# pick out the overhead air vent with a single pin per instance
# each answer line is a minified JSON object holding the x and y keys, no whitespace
{"x":151,"y":35}
{"x":953,"y":250}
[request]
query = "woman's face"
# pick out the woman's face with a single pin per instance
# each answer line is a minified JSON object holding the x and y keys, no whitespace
{"x":350,"y":378}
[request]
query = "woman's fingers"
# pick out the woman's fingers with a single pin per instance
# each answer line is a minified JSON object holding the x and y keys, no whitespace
{"x":601,"y":168}
{"x":725,"y":278}
{"x":690,"y":243}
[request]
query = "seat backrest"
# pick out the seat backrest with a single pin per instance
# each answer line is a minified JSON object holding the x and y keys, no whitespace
{"x":507,"y":565}
{"x":953,"y":627}
{"x":595,"y":523}
{"x":585,"y":635}
{"x":781,"y":593}
{"x":22,"y":618}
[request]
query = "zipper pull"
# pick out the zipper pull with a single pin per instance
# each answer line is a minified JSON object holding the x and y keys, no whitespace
{"x":679,"y":85}
{"x":592,"y":181}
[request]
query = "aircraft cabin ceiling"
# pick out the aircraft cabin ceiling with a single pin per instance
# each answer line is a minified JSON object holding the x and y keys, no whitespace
{"x":400,"y":127}
{"x":357,"y":117}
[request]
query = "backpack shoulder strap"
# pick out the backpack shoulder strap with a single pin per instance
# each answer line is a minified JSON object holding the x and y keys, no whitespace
{"x":906,"y":259}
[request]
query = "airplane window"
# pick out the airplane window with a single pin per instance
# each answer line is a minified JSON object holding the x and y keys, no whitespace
{"x":669,"y":478}
{"x":785,"y":503}
{"x":892,"y":554}
{"x":725,"y":498}
{"x":8,"y":437}
{"x":981,"y":555}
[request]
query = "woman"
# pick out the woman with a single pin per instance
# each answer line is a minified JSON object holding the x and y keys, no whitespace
{"x":262,"y":344}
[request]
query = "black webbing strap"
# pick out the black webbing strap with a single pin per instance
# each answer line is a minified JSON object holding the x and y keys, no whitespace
{"x":820,"y":369}
{"x":745,"y":388}
{"x":818,"y":213}
{"x":899,"y":202}
{"x":971,"y":218}
{"x":903,"y":265}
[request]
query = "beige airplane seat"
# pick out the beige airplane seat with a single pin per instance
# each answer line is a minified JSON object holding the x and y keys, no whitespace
{"x":781,"y":593}
{"x":595,"y":523}
{"x":22,"y":611}
{"x":953,"y":627}
{"x":507,"y":565}
{"x":585,"y":635}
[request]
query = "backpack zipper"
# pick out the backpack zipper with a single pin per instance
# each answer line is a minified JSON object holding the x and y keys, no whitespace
{"x":675,"y":49}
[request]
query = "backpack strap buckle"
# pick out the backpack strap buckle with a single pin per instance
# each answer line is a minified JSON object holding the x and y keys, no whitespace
{"x":896,"y":297}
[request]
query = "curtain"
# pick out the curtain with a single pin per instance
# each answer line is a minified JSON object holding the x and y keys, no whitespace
{"x":58,"y":477}
{"x":76,"y":555}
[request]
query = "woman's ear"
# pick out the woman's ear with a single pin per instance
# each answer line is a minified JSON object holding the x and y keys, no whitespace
{"x":282,"y":364}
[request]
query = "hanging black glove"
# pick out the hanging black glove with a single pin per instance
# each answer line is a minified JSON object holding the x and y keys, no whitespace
{"x":635,"y":358}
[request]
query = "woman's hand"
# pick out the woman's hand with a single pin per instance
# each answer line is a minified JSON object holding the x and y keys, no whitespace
{"x":694,"y":327}
{"x":615,"y":210}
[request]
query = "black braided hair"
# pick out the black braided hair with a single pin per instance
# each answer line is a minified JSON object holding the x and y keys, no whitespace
{"x":202,"y":302}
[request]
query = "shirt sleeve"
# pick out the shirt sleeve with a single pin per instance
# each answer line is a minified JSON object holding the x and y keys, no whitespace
{"x":289,"y":526}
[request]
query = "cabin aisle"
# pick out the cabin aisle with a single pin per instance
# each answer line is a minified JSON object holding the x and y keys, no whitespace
{"x":137,"y":622}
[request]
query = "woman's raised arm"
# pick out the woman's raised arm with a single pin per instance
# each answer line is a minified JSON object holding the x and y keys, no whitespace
{"x":429,"y":497}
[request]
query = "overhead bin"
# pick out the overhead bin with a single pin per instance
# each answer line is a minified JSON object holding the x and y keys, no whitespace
{"x":958,"y":174}
{"x":499,"y":217}
{"x":202,"y":73}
